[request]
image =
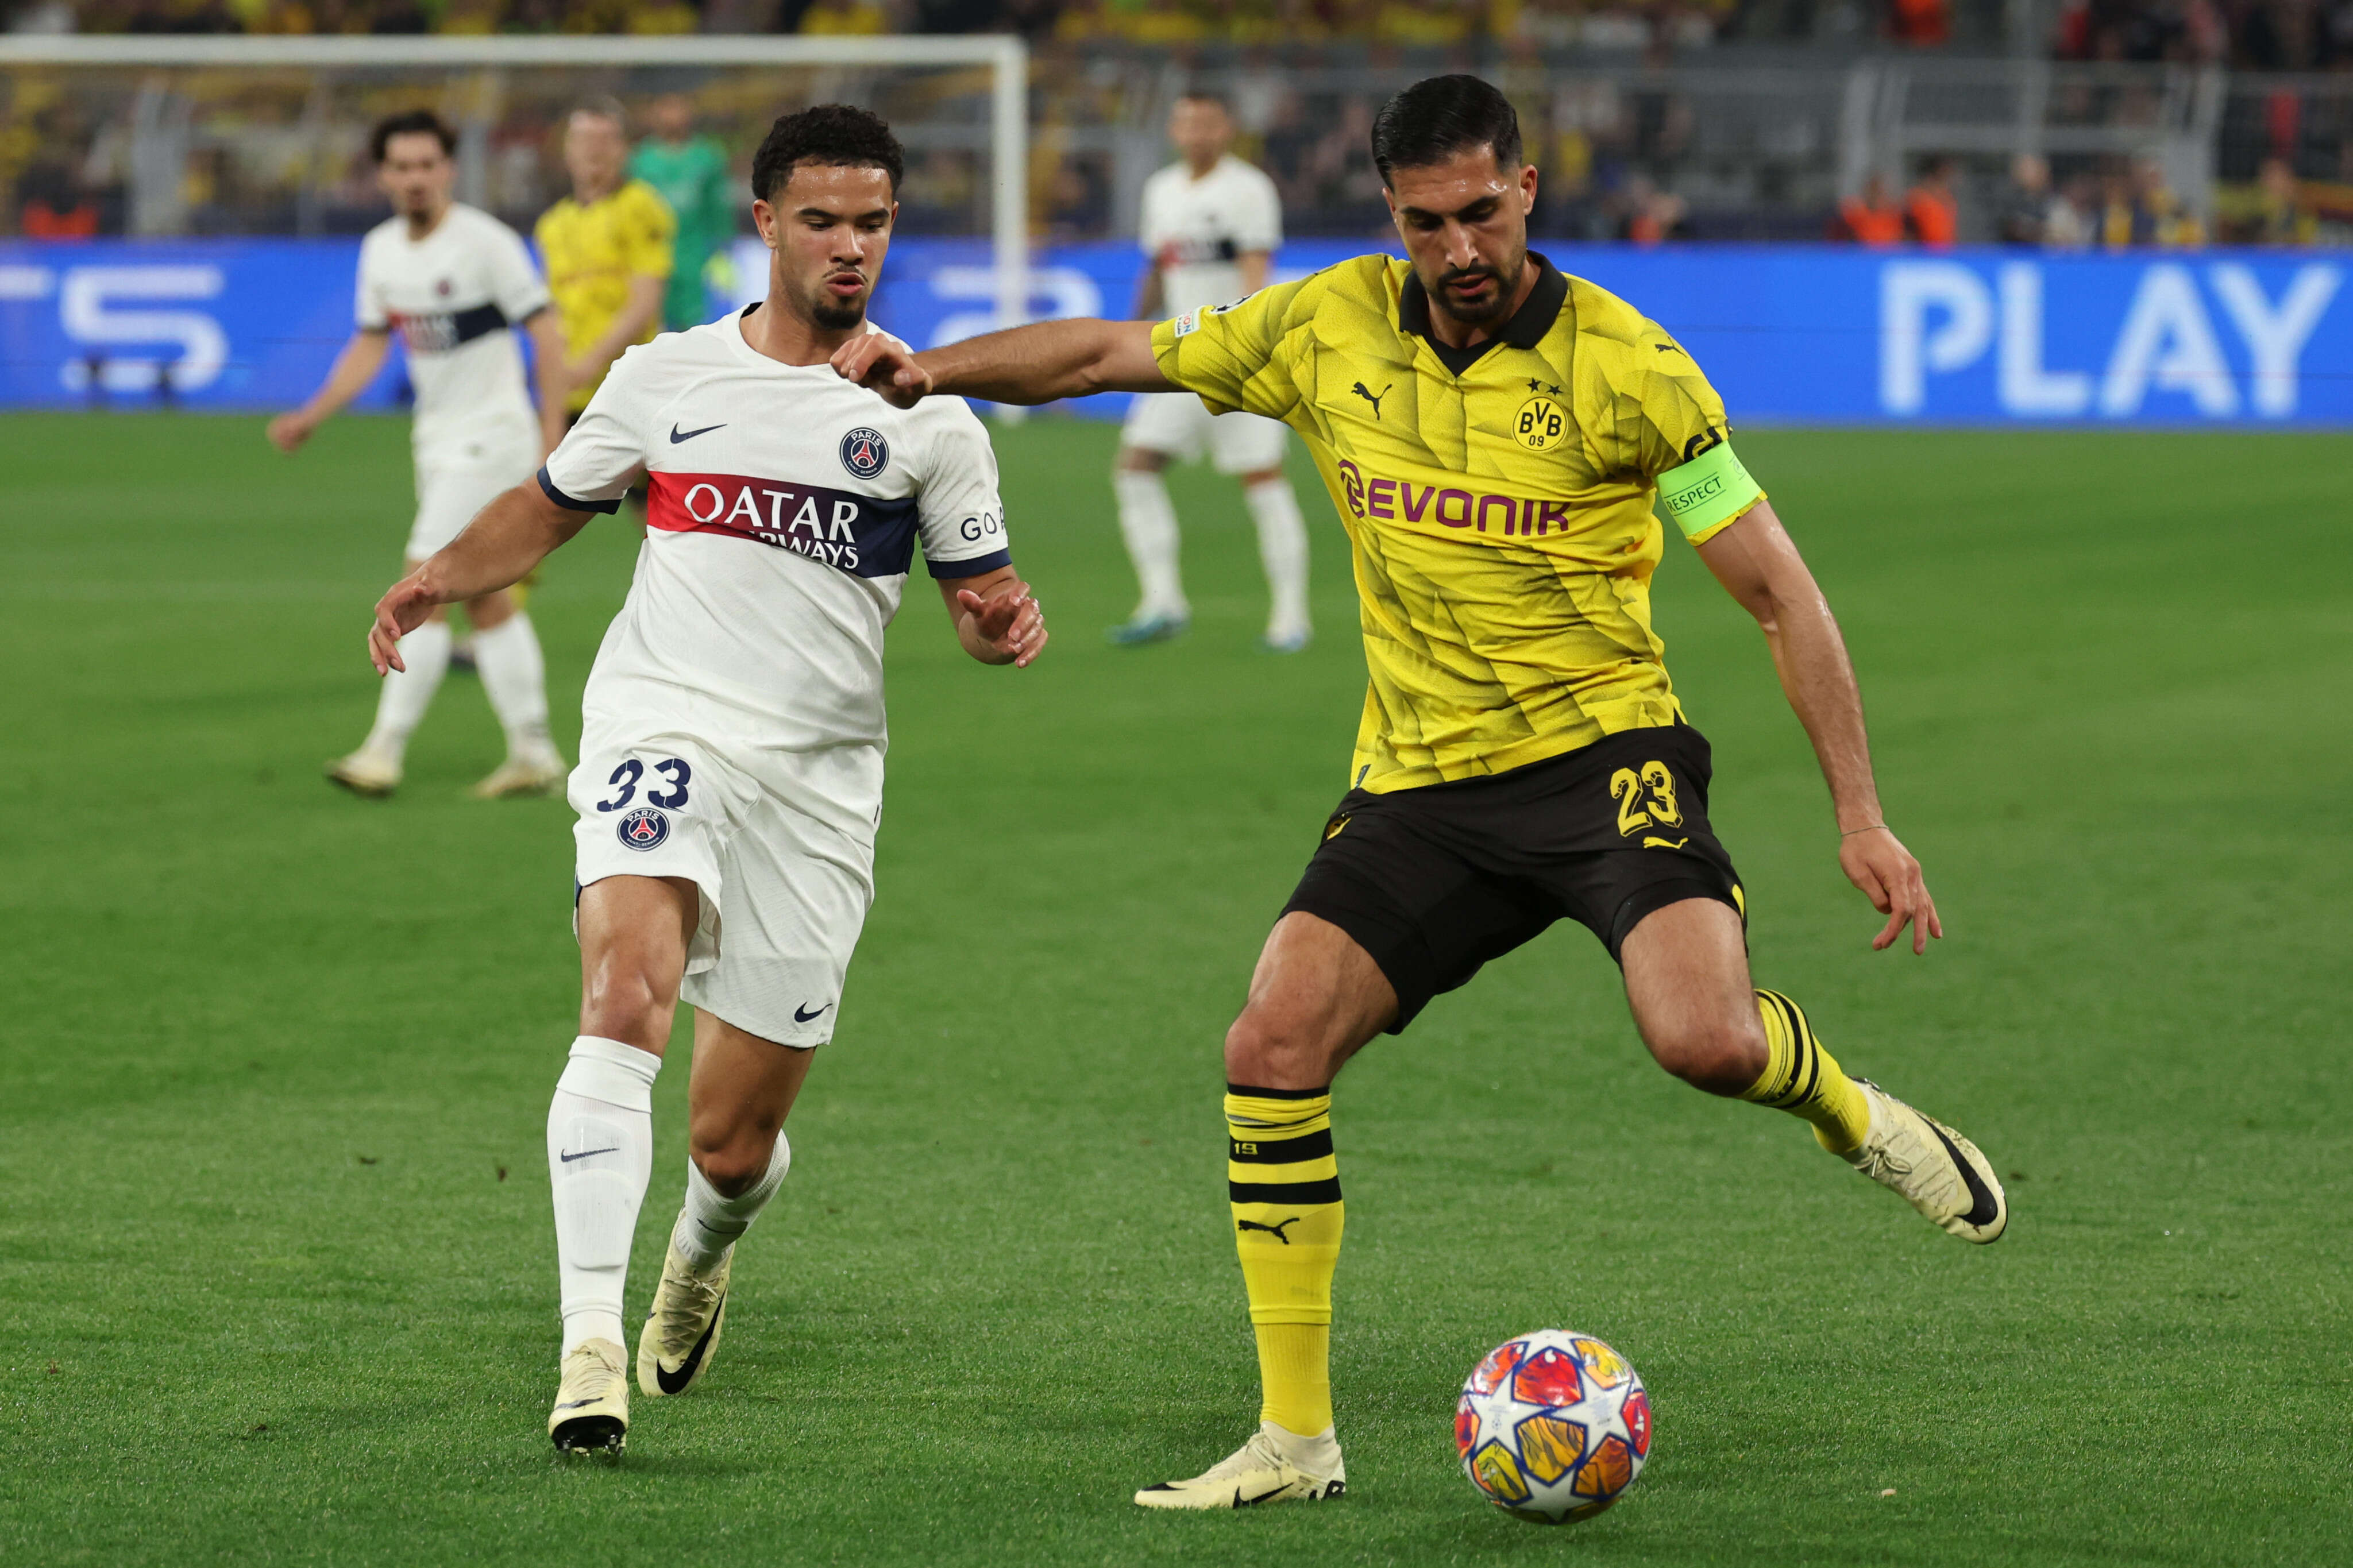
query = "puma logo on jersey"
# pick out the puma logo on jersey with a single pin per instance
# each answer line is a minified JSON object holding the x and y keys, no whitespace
{"x":1372,"y":397}
{"x":1274,"y":1230}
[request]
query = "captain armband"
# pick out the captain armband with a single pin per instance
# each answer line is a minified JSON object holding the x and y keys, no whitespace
{"x":1706,"y":493}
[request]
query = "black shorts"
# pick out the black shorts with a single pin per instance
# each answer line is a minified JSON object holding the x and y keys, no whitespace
{"x":1435,"y":881}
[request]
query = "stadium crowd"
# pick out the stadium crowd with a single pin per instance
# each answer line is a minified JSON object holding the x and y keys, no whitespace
{"x":2247,"y":35}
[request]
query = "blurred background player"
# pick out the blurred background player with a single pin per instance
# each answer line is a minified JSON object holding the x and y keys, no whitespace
{"x":607,"y":249}
{"x":690,"y":173}
{"x":1211,"y":224}
{"x":453,"y":281}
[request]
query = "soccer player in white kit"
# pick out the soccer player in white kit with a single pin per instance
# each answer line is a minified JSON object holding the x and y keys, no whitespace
{"x":454,"y":282}
{"x":731,"y":773}
{"x":1211,"y":224}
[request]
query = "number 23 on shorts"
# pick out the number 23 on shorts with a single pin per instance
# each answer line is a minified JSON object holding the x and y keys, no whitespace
{"x":627,"y":776}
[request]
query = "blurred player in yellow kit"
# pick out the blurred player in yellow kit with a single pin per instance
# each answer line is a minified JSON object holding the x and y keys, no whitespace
{"x":607,"y":247}
{"x":1496,"y":435}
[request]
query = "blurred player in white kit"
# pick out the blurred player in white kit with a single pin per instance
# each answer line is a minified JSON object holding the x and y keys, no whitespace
{"x":731,"y":775}
{"x":1211,"y":224}
{"x":454,"y":282}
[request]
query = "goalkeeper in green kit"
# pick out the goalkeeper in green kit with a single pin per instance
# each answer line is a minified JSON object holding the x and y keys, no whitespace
{"x":689,"y":172}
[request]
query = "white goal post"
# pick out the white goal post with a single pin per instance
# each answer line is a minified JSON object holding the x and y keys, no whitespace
{"x":1006,"y":58}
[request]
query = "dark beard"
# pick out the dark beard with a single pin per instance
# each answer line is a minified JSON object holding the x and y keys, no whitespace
{"x":1487,"y":315}
{"x":836,"y":318}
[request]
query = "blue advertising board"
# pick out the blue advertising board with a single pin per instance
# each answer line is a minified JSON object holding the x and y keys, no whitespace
{"x":1790,"y":334}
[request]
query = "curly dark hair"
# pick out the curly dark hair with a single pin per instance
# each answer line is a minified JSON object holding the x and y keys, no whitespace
{"x":411,"y":123}
{"x":1439,"y":116}
{"x":834,"y":133}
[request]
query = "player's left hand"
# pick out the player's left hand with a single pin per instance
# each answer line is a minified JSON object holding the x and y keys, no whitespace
{"x":405,"y":606}
{"x":1876,"y":862}
{"x":1008,"y":622}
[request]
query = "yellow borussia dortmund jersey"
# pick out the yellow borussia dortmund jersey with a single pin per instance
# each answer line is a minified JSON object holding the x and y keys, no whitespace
{"x":591,"y":250}
{"x":1498,"y":500}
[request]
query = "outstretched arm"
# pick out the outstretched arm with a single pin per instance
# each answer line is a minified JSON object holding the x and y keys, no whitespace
{"x":1758,"y":566}
{"x":362,"y":356}
{"x":996,"y":618}
{"x":1035,"y":363}
{"x":507,"y":539}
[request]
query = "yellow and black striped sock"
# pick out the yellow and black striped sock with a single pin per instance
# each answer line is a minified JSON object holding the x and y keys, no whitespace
{"x":1284,"y":1182}
{"x":1804,"y":1079}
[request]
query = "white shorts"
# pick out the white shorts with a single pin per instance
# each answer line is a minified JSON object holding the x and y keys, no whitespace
{"x":1179,"y":424}
{"x":781,"y":844}
{"x":450,"y":489}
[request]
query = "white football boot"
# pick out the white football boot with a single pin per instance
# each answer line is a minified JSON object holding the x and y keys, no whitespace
{"x":681,"y":1332}
{"x":365,"y":772}
{"x":1936,"y":1170}
{"x":592,"y":1401}
{"x":1274,"y":1465}
{"x":524,"y":773}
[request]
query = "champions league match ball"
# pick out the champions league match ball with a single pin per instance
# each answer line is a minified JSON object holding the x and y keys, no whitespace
{"x":1553,"y":1426}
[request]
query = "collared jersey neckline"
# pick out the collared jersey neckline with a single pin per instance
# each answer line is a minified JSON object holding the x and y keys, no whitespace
{"x":1526,"y":330}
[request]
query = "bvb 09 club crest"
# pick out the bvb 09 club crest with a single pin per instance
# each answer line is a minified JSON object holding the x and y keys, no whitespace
{"x":644,"y":828}
{"x":864,"y":452}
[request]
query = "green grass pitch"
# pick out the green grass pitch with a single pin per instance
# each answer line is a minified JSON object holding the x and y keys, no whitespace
{"x":274,"y":1243}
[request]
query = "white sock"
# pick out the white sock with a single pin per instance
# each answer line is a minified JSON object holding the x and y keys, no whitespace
{"x":712,"y":1223}
{"x":408,"y":693}
{"x":1282,"y":549}
{"x":514,"y":674}
{"x":1147,"y":520}
{"x":600,"y":1151}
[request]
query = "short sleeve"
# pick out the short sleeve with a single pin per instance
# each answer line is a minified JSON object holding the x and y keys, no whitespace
{"x":1260,"y":227}
{"x":515,"y":283}
{"x":960,"y":512}
{"x":1238,"y":356}
{"x":369,"y":312}
{"x":648,"y":237}
{"x":1669,"y":414}
{"x":597,"y":461}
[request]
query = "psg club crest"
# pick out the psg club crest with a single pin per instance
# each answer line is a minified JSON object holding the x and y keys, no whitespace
{"x":644,"y":828}
{"x":864,"y":453}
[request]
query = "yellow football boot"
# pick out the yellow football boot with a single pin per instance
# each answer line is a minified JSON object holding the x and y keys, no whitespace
{"x":592,"y":1402}
{"x":1274,"y":1465}
{"x":681,"y":1332}
{"x":1936,"y":1170}
{"x":371,"y":775}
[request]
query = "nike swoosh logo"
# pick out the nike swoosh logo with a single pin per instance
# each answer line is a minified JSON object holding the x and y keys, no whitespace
{"x":584,"y":1153}
{"x":801,"y":1017}
{"x":577,"y":1404}
{"x":1982,"y":1209}
{"x":1241,"y":1501}
{"x":676,"y":435}
{"x":672,"y":1381}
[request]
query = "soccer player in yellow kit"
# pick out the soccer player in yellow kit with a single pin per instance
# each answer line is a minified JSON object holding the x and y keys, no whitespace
{"x":607,"y":250}
{"x":1495,"y":434}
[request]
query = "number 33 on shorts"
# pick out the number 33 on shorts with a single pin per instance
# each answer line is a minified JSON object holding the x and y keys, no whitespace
{"x":627,"y":777}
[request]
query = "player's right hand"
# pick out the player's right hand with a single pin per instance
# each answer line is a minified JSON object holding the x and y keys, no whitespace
{"x":883,"y":364}
{"x":403,"y":608}
{"x":289,"y":431}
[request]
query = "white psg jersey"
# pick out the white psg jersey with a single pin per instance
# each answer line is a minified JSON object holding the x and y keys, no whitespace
{"x":785,"y":508}
{"x":452,"y":296}
{"x":1193,"y":230}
